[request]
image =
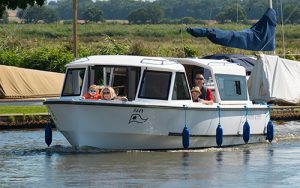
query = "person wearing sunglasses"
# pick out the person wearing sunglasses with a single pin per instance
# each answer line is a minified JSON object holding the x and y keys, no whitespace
{"x":206,"y":93}
{"x":92,"y":94}
{"x":108,"y":93}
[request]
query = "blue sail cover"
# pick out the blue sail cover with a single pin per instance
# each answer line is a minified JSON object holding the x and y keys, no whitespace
{"x":242,"y":60}
{"x":260,"y":37}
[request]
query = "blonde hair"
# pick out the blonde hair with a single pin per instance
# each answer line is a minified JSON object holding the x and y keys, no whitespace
{"x":93,"y":87}
{"x":111,"y":90}
{"x":196,"y":89}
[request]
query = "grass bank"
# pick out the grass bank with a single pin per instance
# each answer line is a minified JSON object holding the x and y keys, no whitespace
{"x":22,"y":109}
{"x":49,"y":46}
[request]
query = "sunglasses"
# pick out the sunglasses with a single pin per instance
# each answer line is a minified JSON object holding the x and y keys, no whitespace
{"x":199,"y":78}
{"x":92,"y":91}
{"x":106,"y":92}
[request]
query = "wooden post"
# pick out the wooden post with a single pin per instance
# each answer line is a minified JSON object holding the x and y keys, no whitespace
{"x":75,"y":41}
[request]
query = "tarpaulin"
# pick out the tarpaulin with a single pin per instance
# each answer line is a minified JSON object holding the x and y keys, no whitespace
{"x":260,"y":37}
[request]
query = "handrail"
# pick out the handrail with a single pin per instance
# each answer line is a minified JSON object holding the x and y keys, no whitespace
{"x":161,"y":60}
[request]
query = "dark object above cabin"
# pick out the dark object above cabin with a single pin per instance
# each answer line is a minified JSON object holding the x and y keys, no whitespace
{"x":242,"y":60}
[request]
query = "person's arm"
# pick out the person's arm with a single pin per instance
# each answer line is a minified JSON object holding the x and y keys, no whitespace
{"x":209,"y":98}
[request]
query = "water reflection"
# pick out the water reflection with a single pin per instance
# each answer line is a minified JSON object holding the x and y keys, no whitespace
{"x":246,"y":156}
{"x":185,"y":165}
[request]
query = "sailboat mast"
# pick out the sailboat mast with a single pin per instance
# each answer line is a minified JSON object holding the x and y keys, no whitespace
{"x":75,"y":40}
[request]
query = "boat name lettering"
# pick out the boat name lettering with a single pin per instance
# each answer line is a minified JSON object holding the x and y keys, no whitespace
{"x":138,"y":110}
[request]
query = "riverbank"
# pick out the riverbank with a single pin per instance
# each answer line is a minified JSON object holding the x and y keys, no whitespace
{"x":287,"y":113}
{"x":25,"y":121}
{"x":40,"y":120}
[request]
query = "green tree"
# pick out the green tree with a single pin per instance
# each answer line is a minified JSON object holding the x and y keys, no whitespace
{"x":231,"y":13}
{"x":138,"y":16}
{"x":36,"y":13}
{"x":13,"y":4}
{"x":152,"y":14}
{"x":92,"y":13}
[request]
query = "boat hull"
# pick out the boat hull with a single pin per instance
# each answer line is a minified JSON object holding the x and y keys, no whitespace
{"x":126,"y":127}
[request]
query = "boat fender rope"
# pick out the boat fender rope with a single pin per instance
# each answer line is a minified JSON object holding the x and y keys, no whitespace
{"x":246,"y":128}
{"x":185,"y":132}
{"x":219,"y":130}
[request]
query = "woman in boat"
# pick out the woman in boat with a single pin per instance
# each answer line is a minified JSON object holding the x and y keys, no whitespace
{"x":206,"y":94}
{"x":108,"y":93}
{"x":93,"y":93}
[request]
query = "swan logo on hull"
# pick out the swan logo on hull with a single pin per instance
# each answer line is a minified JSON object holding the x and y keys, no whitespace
{"x":137,"y":117}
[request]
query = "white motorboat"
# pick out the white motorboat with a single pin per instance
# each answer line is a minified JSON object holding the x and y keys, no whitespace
{"x":159,"y":104}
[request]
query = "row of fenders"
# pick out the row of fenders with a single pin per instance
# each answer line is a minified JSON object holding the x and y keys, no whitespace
{"x":219,"y":131}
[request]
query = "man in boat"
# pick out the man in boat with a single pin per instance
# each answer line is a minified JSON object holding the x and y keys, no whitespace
{"x":206,"y":94}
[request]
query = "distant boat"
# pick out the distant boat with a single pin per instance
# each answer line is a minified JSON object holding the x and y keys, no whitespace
{"x":159,"y":109}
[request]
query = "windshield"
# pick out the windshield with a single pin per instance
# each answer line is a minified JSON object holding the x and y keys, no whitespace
{"x":73,"y":82}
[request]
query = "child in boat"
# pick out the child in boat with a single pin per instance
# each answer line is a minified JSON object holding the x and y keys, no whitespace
{"x":196,"y":92}
{"x":92,"y":94}
{"x":108,"y":93}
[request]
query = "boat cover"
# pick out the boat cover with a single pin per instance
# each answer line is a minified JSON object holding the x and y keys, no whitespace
{"x":245,"y":61}
{"x":275,"y":79}
{"x":27,"y":83}
{"x":260,"y":37}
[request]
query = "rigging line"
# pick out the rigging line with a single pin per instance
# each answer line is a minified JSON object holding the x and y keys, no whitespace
{"x":292,"y":12}
{"x":282,"y":29}
{"x":271,"y":38}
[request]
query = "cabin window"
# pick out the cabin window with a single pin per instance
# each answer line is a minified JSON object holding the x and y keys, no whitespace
{"x":124,"y":80}
{"x":73,"y":82}
{"x":155,"y":85}
{"x":181,"y":89}
{"x":232,"y":87}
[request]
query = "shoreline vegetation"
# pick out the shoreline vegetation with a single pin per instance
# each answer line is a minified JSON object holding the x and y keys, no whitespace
{"x":49,"y":46}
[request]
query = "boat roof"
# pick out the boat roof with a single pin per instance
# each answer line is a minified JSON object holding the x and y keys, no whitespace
{"x":127,"y":60}
{"x":167,"y":64}
{"x":217,"y":66}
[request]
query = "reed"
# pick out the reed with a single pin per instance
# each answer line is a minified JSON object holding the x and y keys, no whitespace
{"x":22,"y":109}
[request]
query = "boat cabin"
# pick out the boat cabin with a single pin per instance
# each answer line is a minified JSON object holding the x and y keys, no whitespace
{"x":153,"y":78}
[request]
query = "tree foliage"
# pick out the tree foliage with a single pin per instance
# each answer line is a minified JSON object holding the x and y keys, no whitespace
{"x":165,"y":9}
{"x":13,"y":4}
{"x":232,"y":13}
{"x":151,"y":14}
{"x":36,"y":13}
{"x":92,"y":13}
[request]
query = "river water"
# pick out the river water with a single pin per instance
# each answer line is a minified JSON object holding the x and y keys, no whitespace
{"x":25,"y":161}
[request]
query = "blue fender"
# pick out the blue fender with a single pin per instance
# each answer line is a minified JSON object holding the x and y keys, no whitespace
{"x":185,"y":138}
{"x":246,"y":132}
